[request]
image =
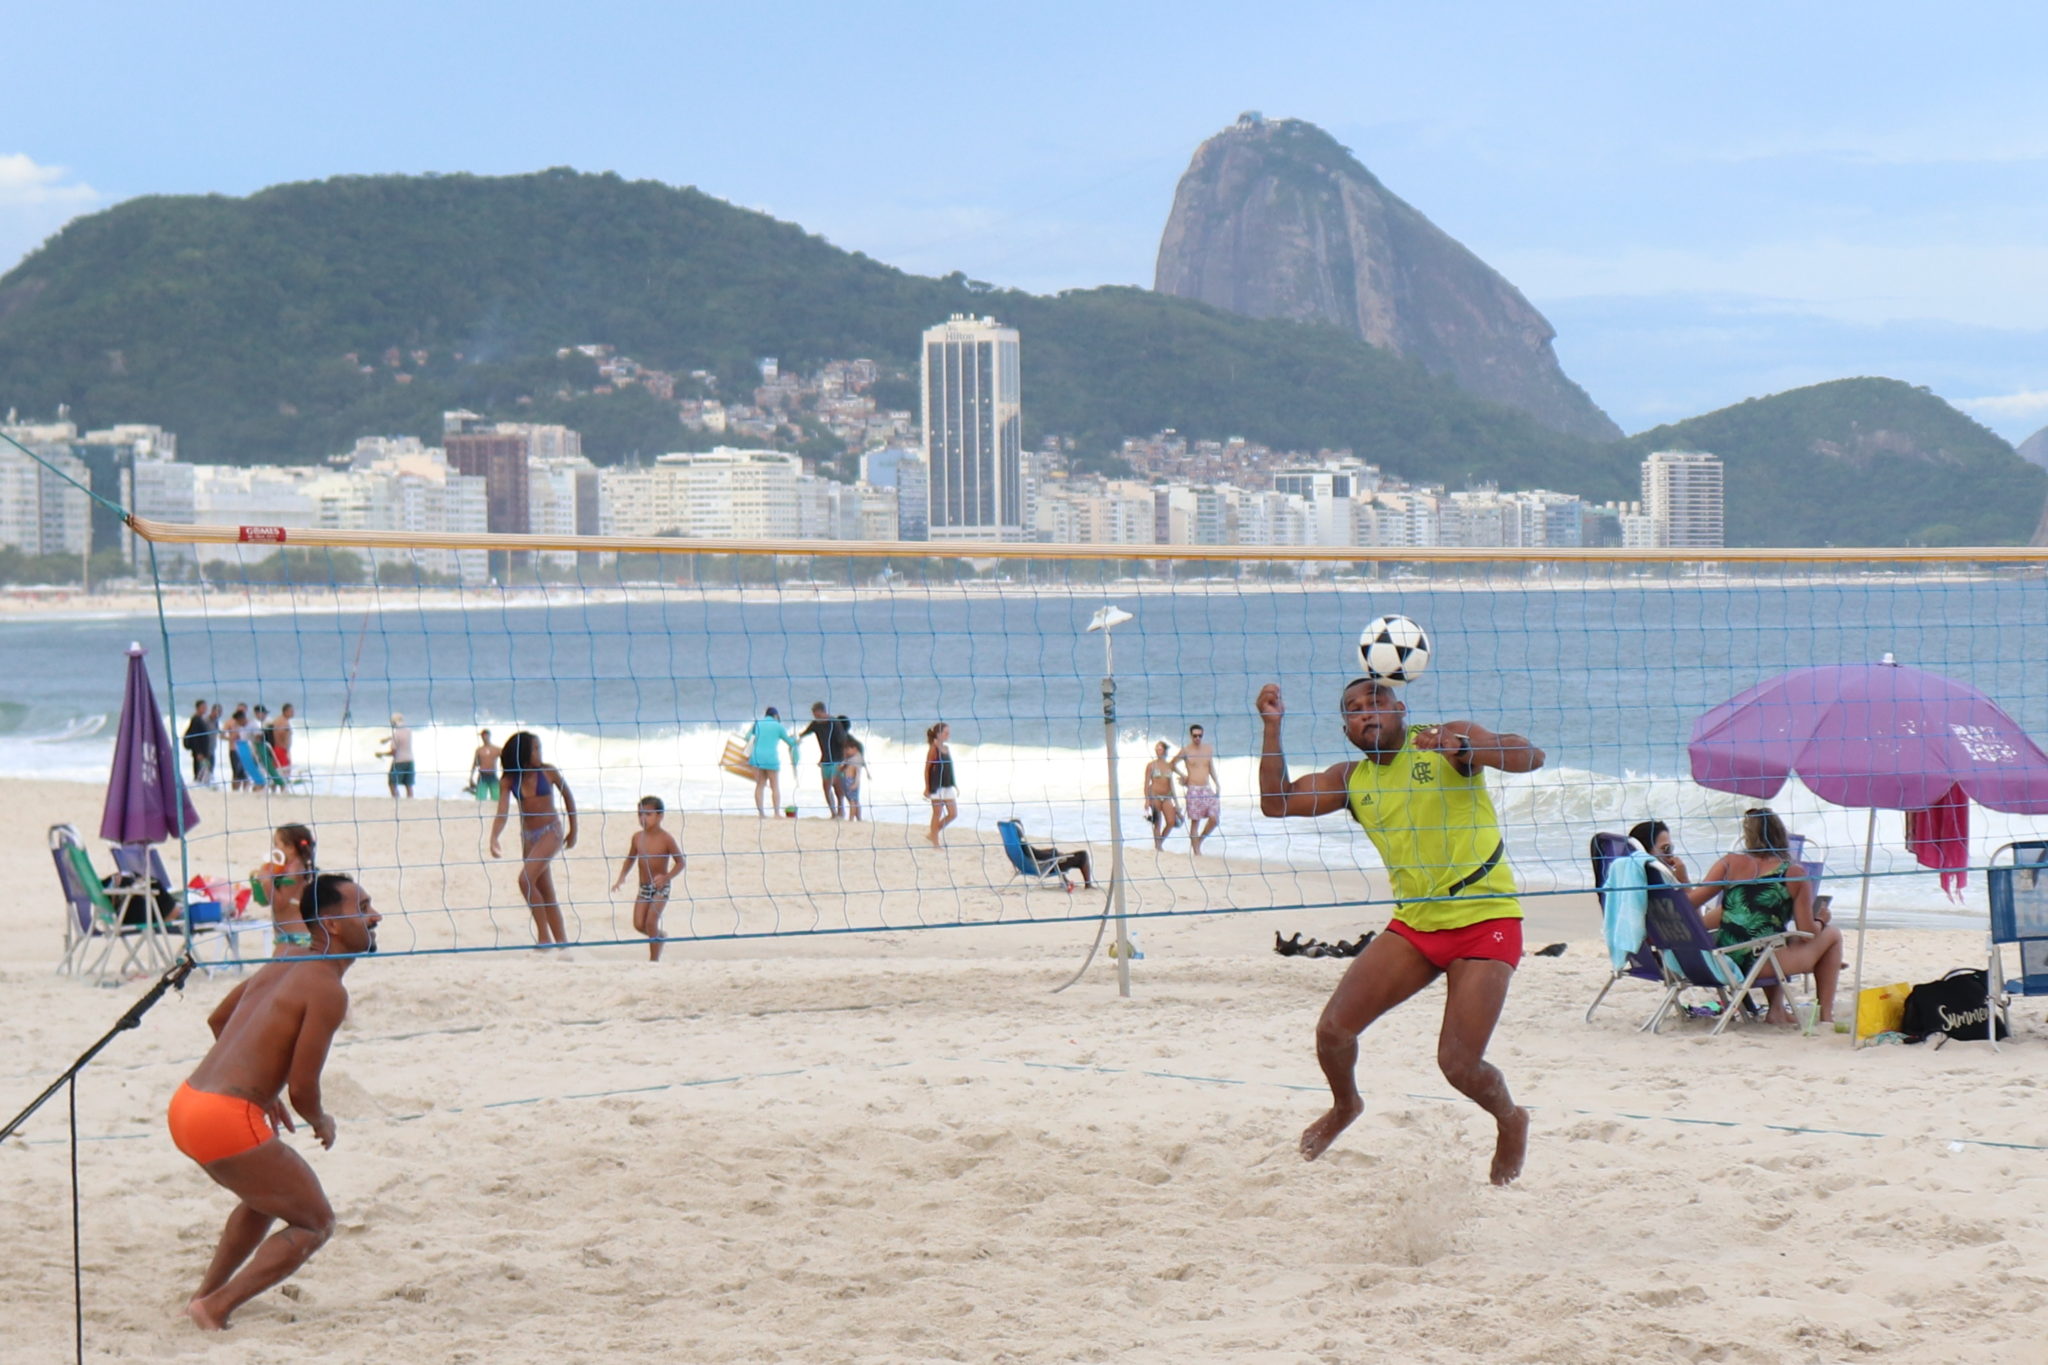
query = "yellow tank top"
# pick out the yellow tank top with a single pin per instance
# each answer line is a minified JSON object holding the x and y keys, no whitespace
{"x":1437,"y":833}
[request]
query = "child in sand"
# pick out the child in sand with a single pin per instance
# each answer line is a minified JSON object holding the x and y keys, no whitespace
{"x":853,"y":765}
{"x":658,"y":859}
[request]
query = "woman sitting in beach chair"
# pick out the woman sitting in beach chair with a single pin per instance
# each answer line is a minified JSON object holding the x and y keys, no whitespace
{"x":1763,"y":892}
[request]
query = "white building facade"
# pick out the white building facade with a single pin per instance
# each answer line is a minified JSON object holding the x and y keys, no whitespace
{"x":1683,"y":498}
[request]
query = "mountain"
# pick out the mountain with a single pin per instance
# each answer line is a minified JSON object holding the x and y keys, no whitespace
{"x":285,"y":324}
{"x":1861,"y":462}
{"x":2034,"y":450}
{"x":1275,"y":219}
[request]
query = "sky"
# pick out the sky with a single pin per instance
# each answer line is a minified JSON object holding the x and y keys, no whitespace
{"x":1710,"y":203}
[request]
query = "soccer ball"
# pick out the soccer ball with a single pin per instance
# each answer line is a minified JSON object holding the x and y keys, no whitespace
{"x":1393,"y":650}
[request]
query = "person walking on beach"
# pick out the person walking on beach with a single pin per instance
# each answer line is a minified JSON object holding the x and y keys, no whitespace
{"x":231,"y":739}
{"x":214,"y":722}
{"x":853,"y":766}
{"x":397,"y":747}
{"x":831,"y":732}
{"x":1420,"y":795}
{"x":271,"y":1036}
{"x":483,"y":768}
{"x":533,"y":785}
{"x":655,"y":859}
{"x":763,"y":736}
{"x":1196,"y":763}
{"x":940,"y":784}
{"x":1161,"y":810}
{"x":198,"y":742}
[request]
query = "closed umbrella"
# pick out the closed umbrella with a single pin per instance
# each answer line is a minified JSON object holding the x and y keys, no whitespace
{"x":146,"y":801}
{"x":1878,"y":736}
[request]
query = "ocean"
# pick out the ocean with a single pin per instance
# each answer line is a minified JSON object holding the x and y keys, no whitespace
{"x":637,"y":693}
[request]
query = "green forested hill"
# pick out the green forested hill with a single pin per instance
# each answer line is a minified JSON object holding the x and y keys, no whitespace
{"x":233,"y":322}
{"x":1861,"y":462}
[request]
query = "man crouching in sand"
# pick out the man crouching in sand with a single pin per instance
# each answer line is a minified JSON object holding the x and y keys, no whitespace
{"x":271,"y":1035}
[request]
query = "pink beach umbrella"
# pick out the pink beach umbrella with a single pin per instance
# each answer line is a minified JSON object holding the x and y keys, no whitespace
{"x":1877,"y":736}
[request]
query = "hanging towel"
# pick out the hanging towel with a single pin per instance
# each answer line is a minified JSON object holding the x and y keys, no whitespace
{"x":1940,"y":838}
{"x":1625,"y":897}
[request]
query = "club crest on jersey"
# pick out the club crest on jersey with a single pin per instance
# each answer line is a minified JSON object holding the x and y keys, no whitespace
{"x":1423,"y":772}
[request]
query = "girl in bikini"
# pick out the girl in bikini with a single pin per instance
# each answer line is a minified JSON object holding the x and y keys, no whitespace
{"x":280,"y":882}
{"x":533,"y":785}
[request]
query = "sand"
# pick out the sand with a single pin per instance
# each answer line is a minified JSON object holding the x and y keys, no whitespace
{"x":904,"y":1147}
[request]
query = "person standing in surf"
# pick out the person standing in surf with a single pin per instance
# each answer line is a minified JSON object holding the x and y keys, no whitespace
{"x":1420,"y":795}
{"x":533,"y":785}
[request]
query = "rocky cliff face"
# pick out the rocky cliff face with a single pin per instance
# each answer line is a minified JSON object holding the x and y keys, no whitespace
{"x":1274,"y":219}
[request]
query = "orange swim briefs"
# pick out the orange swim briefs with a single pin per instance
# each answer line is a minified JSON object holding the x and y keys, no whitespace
{"x":207,"y":1127}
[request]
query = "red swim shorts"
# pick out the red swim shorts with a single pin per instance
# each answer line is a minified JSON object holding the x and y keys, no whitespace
{"x":207,"y":1127}
{"x":1494,"y":940}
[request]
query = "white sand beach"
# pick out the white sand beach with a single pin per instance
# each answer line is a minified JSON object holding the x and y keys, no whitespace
{"x":902,"y":1146}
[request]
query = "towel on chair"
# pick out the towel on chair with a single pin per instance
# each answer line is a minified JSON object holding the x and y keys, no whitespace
{"x":1625,"y":898}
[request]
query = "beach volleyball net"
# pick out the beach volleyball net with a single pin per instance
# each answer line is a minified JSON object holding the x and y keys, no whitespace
{"x":646,"y":668}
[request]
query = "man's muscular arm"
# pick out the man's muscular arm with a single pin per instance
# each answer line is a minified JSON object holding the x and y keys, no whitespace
{"x":1470,"y":746}
{"x":325,"y":1010}
{"x":1320,"y":793}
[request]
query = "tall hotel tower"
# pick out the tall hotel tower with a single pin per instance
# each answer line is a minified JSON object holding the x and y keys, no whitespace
{"x":973,"y":430}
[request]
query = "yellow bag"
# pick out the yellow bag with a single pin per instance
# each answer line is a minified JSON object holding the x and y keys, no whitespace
{"x":738,"y":759}
{"x":1881,"y":1009}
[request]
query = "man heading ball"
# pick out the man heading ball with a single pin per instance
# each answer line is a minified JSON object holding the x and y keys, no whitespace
{"x":1420,"y":795}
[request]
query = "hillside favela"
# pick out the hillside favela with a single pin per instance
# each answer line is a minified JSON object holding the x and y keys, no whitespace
{"x":1038,"y":685}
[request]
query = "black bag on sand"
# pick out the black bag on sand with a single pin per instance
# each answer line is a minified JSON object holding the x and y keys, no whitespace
{"x":1957,"y":1006}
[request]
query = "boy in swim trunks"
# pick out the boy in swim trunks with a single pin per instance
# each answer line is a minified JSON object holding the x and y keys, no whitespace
{"x":271,"y":1035}
{"x":656,"y":859}
{"x":1420,"y":795}
{"x":1197,"y":765}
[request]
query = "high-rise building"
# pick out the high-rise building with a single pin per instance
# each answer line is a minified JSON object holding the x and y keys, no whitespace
{"x":1682,"y":497}
{"x":973,"y":430}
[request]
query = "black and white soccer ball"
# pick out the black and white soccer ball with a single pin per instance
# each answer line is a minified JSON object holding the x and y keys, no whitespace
{"x":1394,"y":650}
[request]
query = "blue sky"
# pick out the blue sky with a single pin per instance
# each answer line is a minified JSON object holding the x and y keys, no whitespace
{"x":1709,"y":202}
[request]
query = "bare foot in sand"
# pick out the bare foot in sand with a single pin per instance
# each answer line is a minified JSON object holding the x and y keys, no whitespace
{"x":204,"y":1316}
{"x":1512,"y":1146}
{"x":1317,"y":1137}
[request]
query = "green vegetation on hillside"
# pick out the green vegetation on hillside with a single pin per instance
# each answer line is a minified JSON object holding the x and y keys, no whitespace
{"x":278,"y":326}
{"x":1861,"y":462}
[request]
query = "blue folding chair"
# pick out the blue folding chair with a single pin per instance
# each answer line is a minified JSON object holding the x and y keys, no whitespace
{"x":1695,"y":961}
{"x":1034,"y":869}
{"x":1640,"y":962}
{"x":2018,"y":892}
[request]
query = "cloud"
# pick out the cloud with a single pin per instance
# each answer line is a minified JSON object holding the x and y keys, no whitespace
{"x":1975,"y":284}
{"x":26,"y":184}
{"x":2028,"y":405}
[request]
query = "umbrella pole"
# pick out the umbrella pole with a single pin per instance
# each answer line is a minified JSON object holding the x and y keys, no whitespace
{"x":1862,"y":914}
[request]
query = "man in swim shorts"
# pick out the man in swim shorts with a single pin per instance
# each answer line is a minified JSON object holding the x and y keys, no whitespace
{"x":397,"y":747}
{"x":1197,"y":766}
{"x":1420,"y":795}
{"x":271,"y":1035}
{"x":831,"y":732}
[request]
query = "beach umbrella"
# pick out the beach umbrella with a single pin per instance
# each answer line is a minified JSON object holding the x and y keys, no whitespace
{"x":1876,"y":736}
{"x":146,"y":801}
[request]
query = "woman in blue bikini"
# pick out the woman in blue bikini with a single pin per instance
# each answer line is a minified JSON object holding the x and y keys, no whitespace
{"x":533,"y":785}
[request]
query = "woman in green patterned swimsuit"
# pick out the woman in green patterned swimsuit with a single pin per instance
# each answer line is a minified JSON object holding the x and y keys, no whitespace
{"x":1762,"y":892}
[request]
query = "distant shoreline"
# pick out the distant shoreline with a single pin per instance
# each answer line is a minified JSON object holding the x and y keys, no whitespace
{"x":183,"y":601}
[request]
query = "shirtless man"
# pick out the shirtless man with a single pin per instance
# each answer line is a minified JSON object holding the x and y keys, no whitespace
{"x":483,"y":768}
{"x":1160,"y":808}
{"x":1420,"y":795}
{"x":271,"y":1035}
{"x":1197,"y":766}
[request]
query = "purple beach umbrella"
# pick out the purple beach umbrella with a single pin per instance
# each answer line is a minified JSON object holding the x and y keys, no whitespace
{"x":146,"y":801}
{"x":1877,"y":736}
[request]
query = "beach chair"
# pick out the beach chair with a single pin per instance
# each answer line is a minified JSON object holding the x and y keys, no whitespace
{"x":284,"y":779}
{"x":2018,"y":892}
{"x":1035,"y":870}
{"x":1640,"y":962}
{"x":1694,"y":961}
{"x":145,"y":863}
{"x":95,"y":915}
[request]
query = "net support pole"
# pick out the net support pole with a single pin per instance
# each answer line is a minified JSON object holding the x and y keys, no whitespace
{"x":1862,"y":918}
{"x":1106,"y":620}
